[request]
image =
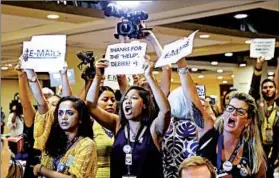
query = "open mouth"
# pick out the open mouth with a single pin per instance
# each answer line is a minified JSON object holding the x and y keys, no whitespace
{"x":64,"y":123}
{"x":231,"y":122}
{"x":128,"y":110}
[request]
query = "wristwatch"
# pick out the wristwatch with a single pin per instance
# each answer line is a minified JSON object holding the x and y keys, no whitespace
{"x":32,"y":79}
{"x":183,"y":70}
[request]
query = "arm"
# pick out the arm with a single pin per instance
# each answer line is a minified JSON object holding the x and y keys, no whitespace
{"x":161,"y":123}
{"x":202,"y":118}
{"x":49,"y":173}
{"x":85,"y":89}
{"x":276,"y":78}
{"x":166,"y":70}
{"x":28,"y":109}
{"x":5,"y":157}
{"x":256,"y":79}
{"x":106,"y":119}
{"x":37,"y":91}
{"x":66,"y":89}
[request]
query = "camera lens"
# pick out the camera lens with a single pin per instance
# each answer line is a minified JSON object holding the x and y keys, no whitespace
{"x":125,"y":28}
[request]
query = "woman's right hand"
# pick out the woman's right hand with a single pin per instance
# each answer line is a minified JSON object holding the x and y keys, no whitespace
{"x":19,"y":69}
{"x":100,"y":65}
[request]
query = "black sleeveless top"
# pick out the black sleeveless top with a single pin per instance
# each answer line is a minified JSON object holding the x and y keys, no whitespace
{"x":207,"y":149}
{"x":146,"y":159}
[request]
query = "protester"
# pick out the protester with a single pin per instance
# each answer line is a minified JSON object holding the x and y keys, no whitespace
{"x":104,"y":137}
{"x":69,"y":149}
{"x":234,"y":146}
{"x":180,"y":140}
{"x":267,"y":115}
{"x":196,"y":167}
{"x":137,"y":135}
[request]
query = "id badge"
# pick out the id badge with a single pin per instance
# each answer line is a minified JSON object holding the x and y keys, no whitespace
{"x":269,"y":135}
{"x":129,"y":176}
{"x":128,"y":159}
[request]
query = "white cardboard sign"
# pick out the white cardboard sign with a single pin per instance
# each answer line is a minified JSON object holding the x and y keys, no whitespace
{"x":264,"y":47}
{"x":174,"y":51}
{"x":55,"y":78}
{"x":111,"y":81}
{"x":125,"y":58}
{"x":44,"y":53}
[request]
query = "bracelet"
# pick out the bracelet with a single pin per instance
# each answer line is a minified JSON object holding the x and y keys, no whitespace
{"x":183,"y":70}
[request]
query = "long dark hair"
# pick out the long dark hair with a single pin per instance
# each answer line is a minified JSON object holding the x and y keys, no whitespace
{"x":147,"y":112}
{"x":105,"y":88}
{"x":57,"y":141}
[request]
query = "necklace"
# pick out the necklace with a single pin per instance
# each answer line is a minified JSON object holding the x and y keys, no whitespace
{"x":71,"y":142}
{"x":134,"y":134}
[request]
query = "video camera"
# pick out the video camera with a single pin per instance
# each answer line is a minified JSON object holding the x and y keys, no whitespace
{"x":15,"y":105}
{"x":131,"y":24}
{"x":87,"y":57}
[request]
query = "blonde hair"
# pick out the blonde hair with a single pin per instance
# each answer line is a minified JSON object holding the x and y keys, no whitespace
{"x":194,"y":162}
{"x":250,"y":134}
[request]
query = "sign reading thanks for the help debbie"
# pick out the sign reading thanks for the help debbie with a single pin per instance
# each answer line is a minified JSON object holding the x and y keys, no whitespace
{"x":262,"y":48}
{"x":55,"y":78}
{"x":125,"y":58}
{"x":174,"y":51}
{"x":44,"y":53}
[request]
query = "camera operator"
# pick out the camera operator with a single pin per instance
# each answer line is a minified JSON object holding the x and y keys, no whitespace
{"x":15,"y":118}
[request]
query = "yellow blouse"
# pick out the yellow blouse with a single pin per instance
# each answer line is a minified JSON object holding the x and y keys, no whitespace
{"x":104,"y":147}
{"x":42,"y":126}
{"x":80,"y":160}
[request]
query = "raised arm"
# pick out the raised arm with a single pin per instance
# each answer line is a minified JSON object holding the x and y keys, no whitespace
{"x":256,"y":79}
{"x":25,"y":100}
{"x":106,"y":119}
{"x":123,"y":83}
{"x":166,"y":70}
{"x":66,"y":89}
{"x":37,"y":91}
{"x":202,"y":118}
{"x":276,"y":78}
{"x":161,"y":123}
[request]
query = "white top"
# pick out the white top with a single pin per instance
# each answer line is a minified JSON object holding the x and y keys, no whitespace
{"x":15,"y":128}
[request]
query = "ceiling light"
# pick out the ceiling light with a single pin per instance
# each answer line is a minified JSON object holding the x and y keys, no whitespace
{"x":240,"y":16}
{"x":220,"y":70}
{"x":155,"y":72}
{"x":9,"y":65}
{"x":232,"y":76}
{"x":270,"y":73}
{"x":204,"y":36}
{"x":52,"y":16}
{"x":220,"y":77}
{"x":228,"y":54}
{"x":242,"y":65}
{"x":225,"y":81}
{"x":128,"y":3}
{"x":214,"y":63}
{"x":194,"y":69}
{"x":201,"y":76}
{"x":4,"y":68}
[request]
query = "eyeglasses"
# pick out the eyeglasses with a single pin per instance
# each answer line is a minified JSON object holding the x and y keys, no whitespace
{"x":239,"y":111}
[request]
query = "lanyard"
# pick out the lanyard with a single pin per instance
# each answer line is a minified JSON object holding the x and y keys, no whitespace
{"x":220,"y":147}
{"x":129,"y":143}
{"x":268,"y":112}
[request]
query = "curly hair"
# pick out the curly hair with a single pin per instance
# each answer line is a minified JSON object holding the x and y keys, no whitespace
{"x":57,"y":141}
{"x":147,"y":113}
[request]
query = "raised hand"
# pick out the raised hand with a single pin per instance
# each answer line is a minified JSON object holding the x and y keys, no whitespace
{"x":260,"y":61}
{"x":148,"y":66}
{"x":100,"y":65}
{"x":64,"y":69}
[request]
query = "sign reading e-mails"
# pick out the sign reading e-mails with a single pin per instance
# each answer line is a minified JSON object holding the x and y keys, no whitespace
{"x":125,"y":58}
{"x":44,"y":54}
{"x":176,"y":50}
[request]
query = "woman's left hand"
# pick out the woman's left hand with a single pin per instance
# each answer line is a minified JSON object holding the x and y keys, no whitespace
{"x":148,"y":66}
{"x":36,"y":169}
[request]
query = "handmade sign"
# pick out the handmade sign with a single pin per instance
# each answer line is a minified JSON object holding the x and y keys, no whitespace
{"x":173,"y":52}
{"x":262,"y":47}
{"x":125,"y":58}
{"x":44,"y":53}
{"x":55,"y":78}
